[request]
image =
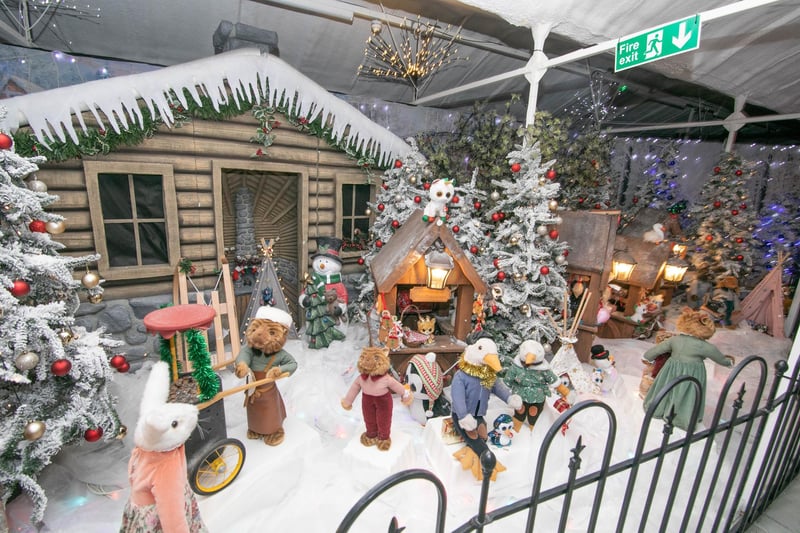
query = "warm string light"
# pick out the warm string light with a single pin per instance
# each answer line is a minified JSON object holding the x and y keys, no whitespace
{"x":412,"y":58}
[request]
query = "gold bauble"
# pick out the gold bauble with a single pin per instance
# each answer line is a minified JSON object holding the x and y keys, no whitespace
{"x":26,"y":361}
{"x":553,"y":205}
{"x":513,"y":241}
{"x":542,"y":181}
{"x":518,"y":276}
{"x":66,"y":336}
{"x":55,"y":228}
{"x":95,"y":298}
{"x":368,"y":211}
{"x":525,"y":309}
{"x":33,"y":430}
{"x":123,"y":431}
{"x":90,"y":280}
{"x":412,"y":179}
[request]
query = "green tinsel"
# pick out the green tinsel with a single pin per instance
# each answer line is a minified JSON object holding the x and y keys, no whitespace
{"x":165,"y":352}
{"x":204,"y":376}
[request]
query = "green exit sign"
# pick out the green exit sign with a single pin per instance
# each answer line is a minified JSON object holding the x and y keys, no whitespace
{"x":657,"y":43}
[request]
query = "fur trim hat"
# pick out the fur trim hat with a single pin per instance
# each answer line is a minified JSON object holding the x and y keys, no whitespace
{"x":695,"y":323}
{"x":273,"y":314}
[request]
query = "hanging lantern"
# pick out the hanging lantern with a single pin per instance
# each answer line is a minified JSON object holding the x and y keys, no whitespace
{"x":439,"y":265}
{"x":674,"y":269}
{"x":622,"y":265}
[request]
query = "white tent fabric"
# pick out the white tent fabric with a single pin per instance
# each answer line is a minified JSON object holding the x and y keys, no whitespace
{"x":764,"y":304}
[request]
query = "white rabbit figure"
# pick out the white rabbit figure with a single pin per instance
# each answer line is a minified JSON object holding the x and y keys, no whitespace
{"x":440,"y":194}
{"x":655,"y":235}
{"x":161,"y":499}
{"x":638,"y":315}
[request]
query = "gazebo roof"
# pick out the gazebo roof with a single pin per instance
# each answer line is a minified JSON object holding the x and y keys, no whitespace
{"x":409,"y":244}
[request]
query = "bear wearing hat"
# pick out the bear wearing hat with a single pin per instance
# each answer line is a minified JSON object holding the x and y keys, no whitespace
{"x":264,"y":357}
{"x":322,"y":311}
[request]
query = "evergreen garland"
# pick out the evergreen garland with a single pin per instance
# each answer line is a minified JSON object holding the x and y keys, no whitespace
{"x":204,"y":376}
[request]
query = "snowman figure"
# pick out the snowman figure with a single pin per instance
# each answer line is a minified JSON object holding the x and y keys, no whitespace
{"x":605,"y":374}
{"x":502,"y":433}
{"x":439,"y":194}
{"x":322,"y":314}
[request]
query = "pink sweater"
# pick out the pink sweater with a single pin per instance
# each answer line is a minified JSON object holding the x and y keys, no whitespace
{"x":160,"y":478}
{"x":375,"y":387}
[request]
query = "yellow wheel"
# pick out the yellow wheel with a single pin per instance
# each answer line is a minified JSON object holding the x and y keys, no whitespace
{"x":218,"y":468}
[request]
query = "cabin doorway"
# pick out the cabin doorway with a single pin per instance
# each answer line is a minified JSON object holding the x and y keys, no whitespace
{"x":262,"y":203}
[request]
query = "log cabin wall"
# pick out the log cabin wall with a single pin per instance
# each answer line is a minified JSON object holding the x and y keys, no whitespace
{"x":294,"y":185}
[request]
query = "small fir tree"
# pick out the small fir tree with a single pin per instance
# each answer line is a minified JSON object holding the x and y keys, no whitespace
{"x":55,"y":375}
{"x":660,"y":187}
{"x":779,"y":232}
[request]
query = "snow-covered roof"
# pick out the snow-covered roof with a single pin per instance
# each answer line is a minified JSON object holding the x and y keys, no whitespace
{"x":247,"y":72}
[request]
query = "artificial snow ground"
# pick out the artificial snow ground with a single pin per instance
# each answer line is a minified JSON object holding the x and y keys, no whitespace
{"x":309,"y":482}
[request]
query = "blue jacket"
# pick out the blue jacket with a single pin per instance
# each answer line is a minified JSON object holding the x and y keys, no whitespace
{"x":470,"y":397}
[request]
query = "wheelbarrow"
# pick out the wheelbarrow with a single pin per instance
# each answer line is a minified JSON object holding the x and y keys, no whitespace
{"x":213,"y":459}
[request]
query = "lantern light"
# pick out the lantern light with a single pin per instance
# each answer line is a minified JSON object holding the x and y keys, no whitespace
{"x":439,"y":265}
{"x":674,"y":269}
{"x":622,"y":265}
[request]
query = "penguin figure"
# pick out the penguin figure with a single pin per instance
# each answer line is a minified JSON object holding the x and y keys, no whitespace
{"x":502,"y":433}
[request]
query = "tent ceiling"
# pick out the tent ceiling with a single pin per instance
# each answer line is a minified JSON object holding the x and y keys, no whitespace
{"x":754,"y":53}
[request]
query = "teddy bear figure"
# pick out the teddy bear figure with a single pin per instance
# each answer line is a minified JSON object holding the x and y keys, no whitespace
{"x":160,"y":497}
{"x":264,"y":356}
{"x":321,"y":317}
{"x":376,"y":385}
{"x":439,"y":195}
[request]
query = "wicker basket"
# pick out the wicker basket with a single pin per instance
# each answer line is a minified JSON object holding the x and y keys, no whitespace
{"x":412,"y":338}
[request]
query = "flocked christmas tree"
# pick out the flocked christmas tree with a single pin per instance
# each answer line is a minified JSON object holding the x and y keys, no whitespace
{"x":660,"y":187}
{"x":54,"y":375}
{"x":778,"y":232}
{"x":524,"y":259}
{"x":723,"y":236}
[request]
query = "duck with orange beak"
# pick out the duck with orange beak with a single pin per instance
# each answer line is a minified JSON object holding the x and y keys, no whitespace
{"x":472,"y":384}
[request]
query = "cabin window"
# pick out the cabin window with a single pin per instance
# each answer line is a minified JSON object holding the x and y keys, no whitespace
{"x":353,"y":220}
{"x":134,"y":218}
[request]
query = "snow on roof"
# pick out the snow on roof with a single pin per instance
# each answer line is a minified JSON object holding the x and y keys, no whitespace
{"x":247,"y":72}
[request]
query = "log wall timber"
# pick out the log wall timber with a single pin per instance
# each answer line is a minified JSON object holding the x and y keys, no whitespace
{"x":295,"y":184}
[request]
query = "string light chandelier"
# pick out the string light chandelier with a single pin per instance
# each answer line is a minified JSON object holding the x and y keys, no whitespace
{"x":413,"y":57}
{"x":27,"y":19}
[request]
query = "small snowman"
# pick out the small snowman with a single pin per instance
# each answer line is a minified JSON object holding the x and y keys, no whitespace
{"x":439,"y":194}
{"x":605,"y":374}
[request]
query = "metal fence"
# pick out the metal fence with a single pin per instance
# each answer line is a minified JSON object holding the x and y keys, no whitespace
{"x":745,"y":458}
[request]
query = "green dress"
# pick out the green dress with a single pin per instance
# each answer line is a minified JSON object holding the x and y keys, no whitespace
{"x":687,"y":356}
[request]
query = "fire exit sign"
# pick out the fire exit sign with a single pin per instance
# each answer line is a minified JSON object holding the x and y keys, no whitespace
{"x":657,"y":43}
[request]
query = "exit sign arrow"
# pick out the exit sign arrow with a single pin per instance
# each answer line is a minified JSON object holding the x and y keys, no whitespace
{"x":657,"y":43}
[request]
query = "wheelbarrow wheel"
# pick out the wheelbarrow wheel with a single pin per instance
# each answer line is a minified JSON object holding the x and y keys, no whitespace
{"x":218,"y":467}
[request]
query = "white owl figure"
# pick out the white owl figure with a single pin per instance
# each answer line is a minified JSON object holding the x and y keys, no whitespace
{"x":440,"y":194}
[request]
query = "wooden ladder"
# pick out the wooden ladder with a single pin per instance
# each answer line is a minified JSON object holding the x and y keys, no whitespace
{"x":226,"y":309}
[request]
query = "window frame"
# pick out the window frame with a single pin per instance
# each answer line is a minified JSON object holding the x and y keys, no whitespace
{"x":351,"y":179}
{"x":92,"y":169}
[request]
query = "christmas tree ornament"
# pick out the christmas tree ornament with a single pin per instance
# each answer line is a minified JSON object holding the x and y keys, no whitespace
{"x":742,"y":206}
{"x":66,"y":336}
{"x":739,"y":240}
{"x":124,"y":367}
{"x":516,"y":167}
{"x":123,"y":432}
{"x":542,"y":230}
{"x":398,"y":198}
{"x":494,"y":195}
{"x":117,"y":361}
{"x":581,"y":200}
{"x":738,"y":172}
{"x":635,"y":200}
{"x":717,"y":203}
{"x":501,"y":275}
{"x":709,"y":238}
{"x":412,"y":180}
{"x":455,"y":199}
{"x":545,"y":270}
{"x":381,"y":207}
{"x":542,"y":182}
{"x":525,"y":309}
{"x":379,"y":243}
{"x":90,"y":280}
{"x":360,"y":261}
{"x":518,"y":276}
{"x":734,"y":212}
{"x":20,"y":288}
{"x":597,"y":206}
{"x":26,"y":361}
{"x":55,"y":228}
{"x":553,"y":234}
{"x":6,"y":142}
{"x":551,"y":174}
{"x":456,"y":229}
{"x":717,"y":170}
{"x":37,"y":226}
{"x":395,"y":224}
{"x":61,"y":367}
{"x":93,"y":434}
{"x":740,"y":257}
{"x":33,"y":430}
{"x":398,"y":163}
{"x":95,"y":298}
{"x":495,"y":217}
{"x":417,"y":199}
{"x":426,"y":186}
{"x":36,"y":185}
{"x":473,"y":249}
{"x":514,"y":240}
{"x":368,"y":211}
{"x":560,"y":260}
{"x":552,"y":205}
{"x":496,"y":262}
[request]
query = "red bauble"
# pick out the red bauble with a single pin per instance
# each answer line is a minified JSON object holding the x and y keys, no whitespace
{"x":494,"y":309}
{"x":60,"y":367}
{"x":235,"y":275}
{"x":395,"y":224}
{"x":381,"y":207}
{"x":566,"y":253}
{"x":360,"y":261}
{"x":455,"y":199}
{"x":496,"y":262}
{"x":398,"y":163}
{"x":37,"y":226}
{"x":553,"y":234}
{"x":502,"y":215}
{"x":473,"y":249}
{"x":501,"y":275}
{"x":124,"y":367}
{"x":717,"y":203}
{"x":739,"y":240}
{"x":93,"y":434}
{"x":417,"y":199}
{"x":734,"y":212}
{"x":6,"y":142}
{"x":635,"y":200}
{"x":709,"y":237}
{"x":516,"y":167}
{"x":738,"y":172}
{"x":456,"y":229}
{"x":385,"y":186}
{"x":20,"y":288}
{"x":477,"y":205}
{"x":717,"y":170}
{"x":581,"y":200}
{"x":495,"y":217}
{"x":117,"y":361}
{"x":740,"y":257}
{"x":379,"y":243}
{"x":545,"y":270}
{"x":742,"y":206}
{"x":597,"y":206}
{"x":426,"y":186}
{"x":550,"y":174}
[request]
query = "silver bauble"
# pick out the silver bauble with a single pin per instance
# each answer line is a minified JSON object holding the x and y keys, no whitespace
{"x":26,"y":361}
{"x":542,"y":230}
{"x":36,"y":185}
{"x":495,"y":196}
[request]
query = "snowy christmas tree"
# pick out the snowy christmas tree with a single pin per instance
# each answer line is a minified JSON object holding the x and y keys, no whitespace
{"x":779,"y":232}
{"x":723,"y":235}
{"x":524,"y":259}
{"x":54,"y":375}
{"x":660,"y":187}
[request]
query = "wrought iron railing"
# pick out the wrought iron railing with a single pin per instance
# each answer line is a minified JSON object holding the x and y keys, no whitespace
{"x":749,"y":453}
